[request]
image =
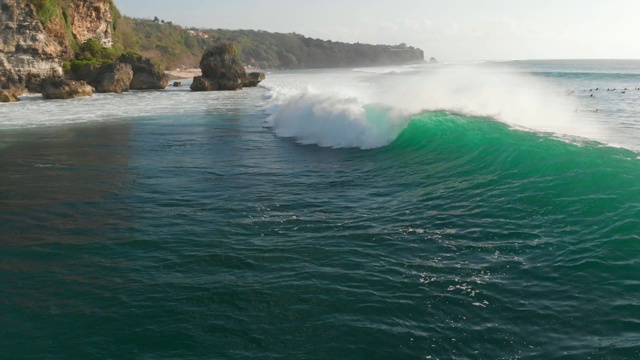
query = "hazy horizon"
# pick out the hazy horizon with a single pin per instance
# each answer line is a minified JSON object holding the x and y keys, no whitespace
{"x":456,"y":30}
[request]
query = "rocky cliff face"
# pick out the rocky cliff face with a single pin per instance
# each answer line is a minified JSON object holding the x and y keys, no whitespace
{"x":34,"y":42}
{"x":91,"y":19}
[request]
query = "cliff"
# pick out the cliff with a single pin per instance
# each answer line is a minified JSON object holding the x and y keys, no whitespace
{"x":36,"y":36}
{"x":263,"y":49}
{"x":175,"y":46}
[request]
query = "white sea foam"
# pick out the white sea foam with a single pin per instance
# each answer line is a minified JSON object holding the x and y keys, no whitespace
{"x":335,"y":120}
{"x":332,"y":112}
{"x":368,"y":108}
{"x":33,"y":111}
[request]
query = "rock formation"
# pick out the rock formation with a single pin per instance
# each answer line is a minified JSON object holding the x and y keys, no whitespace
{"x":109,"y":78}
{"x":146,"y":74}
{"x":34,"y":44}
{"x":113,"y":78}
{"x":201,"y":83}
{"x":8,"y":96}
{"x":91,"y":19}
{"x":253,"y":79}
{"x":59,"y":88}
{"x":221,"y":70}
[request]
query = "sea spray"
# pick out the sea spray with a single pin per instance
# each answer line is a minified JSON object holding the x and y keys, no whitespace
{"x":331,"y":115}
{"x":337,"y":121}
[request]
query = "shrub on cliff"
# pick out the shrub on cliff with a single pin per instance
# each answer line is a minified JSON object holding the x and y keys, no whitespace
{"x":92,"y":49}
{"x":90,"y":55}
{"x":46,"y":9}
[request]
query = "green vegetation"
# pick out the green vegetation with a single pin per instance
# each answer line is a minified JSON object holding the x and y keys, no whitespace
{"x":174,"y":46}
{"x":289,"y":51}
{"x":46,"y":10}
{"x":91,"y":54}
{"x":169,"y":44}
{"x":115,"y":15}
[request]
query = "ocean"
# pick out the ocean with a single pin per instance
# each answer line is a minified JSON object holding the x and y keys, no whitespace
{"x":438,"y":211}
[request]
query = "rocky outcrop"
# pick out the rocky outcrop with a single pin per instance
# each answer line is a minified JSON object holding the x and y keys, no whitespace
{"x":8,"y":96}
{"x":25,"y":46}
{"x":201,"y":83}
{"x":33,"y":81}
{"x":253,"y":79}
{"x":146,"y":74}
{"x":221,"y":70}
{"x":59,"y":88}
{"x":111,"y":78}
{"x":35,"y":44}
{"x":91,"y":19}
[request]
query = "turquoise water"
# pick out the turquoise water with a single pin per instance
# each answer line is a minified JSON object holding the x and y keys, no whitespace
{"x":182,"y":227}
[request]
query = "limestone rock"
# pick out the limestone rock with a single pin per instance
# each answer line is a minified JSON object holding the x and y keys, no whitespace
{"x":34,"y":81}
{"x":29,"y":47}
{"x":146,"y":74}
{"x":91,"y":20}
{"x":59,"y":88}
{"x":113,"y":78}
{"x":8,"y":96}
{"x":223,"y":66}
{"x":253,"y":79}
{"x":201,"y":83}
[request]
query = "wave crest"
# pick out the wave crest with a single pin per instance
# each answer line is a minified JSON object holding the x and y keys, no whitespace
{"x":334,"y":120}
{"x":370,"y":110}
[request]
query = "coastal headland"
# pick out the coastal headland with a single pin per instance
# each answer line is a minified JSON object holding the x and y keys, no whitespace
{"x":77,"y":41}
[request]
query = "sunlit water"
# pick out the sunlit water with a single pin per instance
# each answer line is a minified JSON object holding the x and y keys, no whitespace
{"x":447,"y":211}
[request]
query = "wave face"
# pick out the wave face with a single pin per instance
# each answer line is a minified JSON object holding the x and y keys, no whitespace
{"x":490,"y":153}
{"x":372,"y":112}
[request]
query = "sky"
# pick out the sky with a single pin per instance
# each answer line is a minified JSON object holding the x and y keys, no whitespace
{"x":449,"y":30}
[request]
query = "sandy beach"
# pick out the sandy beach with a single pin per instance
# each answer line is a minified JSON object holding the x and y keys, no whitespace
{"x":190,"y":73}
{"x":183,"y":74}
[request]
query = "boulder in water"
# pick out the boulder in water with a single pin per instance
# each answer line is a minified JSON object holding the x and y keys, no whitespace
{"x":146,"y":74}
{"x":59,"y":88}
{"x":222,"y":66}
{"x":113,"y":78}
{"x":8,"y":96}
{"x":253,"y":79}
{"x":201,"y":83}
{"x":11,"y":85}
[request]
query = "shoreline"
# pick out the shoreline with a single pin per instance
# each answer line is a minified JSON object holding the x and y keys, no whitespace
{"x":193,"y":72}
{"x":183,"y":74}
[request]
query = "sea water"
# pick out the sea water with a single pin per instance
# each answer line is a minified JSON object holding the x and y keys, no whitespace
{"x":470,"y":211}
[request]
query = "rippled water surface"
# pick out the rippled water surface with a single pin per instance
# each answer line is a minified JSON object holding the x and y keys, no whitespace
{"x":175,"y":225}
